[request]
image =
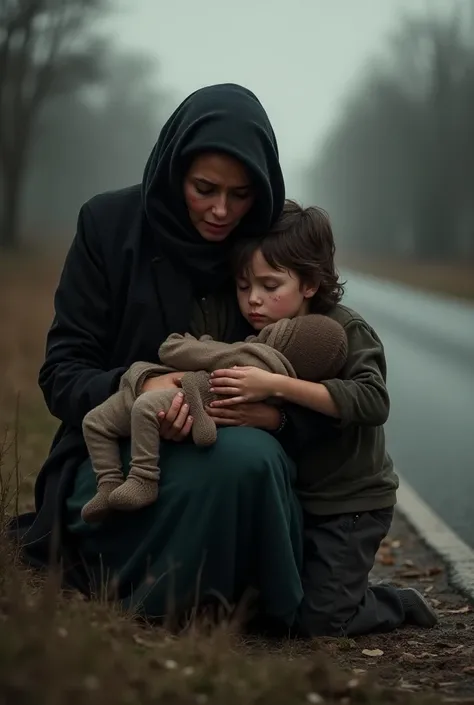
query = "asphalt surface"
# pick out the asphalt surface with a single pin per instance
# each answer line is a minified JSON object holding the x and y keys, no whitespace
{"x":429,"y":344}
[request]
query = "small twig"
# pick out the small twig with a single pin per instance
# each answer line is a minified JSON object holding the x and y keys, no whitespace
{"x":16,"y":457}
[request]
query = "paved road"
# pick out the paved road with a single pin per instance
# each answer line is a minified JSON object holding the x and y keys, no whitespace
{"x":429,"y":343}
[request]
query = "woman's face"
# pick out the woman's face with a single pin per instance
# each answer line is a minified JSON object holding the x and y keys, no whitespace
{"x":218,"y":193}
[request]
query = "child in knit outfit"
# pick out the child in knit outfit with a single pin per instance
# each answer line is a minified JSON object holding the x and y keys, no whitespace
{"x":309,"y":347}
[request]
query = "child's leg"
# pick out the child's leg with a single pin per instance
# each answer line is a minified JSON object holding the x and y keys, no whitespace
{"x":338,"y":601}
{"x":195,"y":385}
{"x":141,"y":486}
{"x":102,"y":427}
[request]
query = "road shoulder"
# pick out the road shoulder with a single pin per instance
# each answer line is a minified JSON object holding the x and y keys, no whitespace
{"x":421,"y":552}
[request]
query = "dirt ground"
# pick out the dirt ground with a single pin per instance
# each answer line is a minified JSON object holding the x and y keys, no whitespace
{"x":456,"y":280}
{"x":439,"y":659}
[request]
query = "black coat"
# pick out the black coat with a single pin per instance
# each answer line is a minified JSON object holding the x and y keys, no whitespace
{"x":117,"y":300}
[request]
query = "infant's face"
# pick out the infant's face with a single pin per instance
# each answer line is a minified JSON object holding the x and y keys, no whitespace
{"x":267,"y":295}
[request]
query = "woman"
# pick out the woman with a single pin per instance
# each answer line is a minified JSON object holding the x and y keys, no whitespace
{"x":147,"y":261}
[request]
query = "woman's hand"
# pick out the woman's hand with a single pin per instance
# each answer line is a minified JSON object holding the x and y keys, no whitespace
{"x":242,"y":385}
{"x":255,"y":415}
{"x":176,"y":424}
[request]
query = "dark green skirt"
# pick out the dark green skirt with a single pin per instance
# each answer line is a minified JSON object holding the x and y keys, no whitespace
{"x":226,"y":518}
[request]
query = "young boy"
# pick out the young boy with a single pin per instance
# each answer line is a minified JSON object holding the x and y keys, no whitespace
{"x":347,"y":483}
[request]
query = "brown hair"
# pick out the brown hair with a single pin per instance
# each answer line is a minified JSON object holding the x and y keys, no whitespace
{"x":301,"y":241}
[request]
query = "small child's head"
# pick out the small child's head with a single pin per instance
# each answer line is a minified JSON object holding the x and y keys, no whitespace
{"x":289,"y":271}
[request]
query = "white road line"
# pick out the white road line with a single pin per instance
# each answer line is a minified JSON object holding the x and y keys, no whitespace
{"x":456,"y":554}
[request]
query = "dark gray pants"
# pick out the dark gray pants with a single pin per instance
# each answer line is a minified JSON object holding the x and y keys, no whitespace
{"x":339,"y":555}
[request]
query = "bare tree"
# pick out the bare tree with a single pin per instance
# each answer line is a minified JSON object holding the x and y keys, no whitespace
{"x":45,"y":49}
{"x":112,"y":128}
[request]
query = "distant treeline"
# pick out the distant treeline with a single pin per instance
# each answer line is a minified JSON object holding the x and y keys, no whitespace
{"x":77,"y":116}
{"x":397,"y":171}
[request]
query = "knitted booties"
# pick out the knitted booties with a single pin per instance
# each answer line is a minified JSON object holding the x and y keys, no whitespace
{"x":139,"y":490}
{"x":97,"y":508}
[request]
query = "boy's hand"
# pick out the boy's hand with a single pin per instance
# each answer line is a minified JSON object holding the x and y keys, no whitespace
{"x":242,"y":385}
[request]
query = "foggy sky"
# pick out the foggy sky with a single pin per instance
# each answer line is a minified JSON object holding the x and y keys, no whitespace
{"x":300,"y":62}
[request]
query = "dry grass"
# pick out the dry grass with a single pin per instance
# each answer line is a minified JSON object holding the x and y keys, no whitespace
{"x":57,"y":648}
{"x":452,"y":279}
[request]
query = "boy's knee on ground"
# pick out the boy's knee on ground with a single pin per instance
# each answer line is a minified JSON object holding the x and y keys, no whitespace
{"x":316,"y":623}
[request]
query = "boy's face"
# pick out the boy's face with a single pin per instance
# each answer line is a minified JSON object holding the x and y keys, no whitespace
{"x":267,"y":295}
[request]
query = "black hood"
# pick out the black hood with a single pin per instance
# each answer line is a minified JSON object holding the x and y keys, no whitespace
{"x":226,"y":118}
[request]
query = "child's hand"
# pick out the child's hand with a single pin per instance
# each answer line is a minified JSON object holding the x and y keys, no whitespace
{"x":241,"y":384}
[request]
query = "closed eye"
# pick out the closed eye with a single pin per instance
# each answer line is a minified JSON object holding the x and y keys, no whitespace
{"x":204,"y":190}
{"x":243,"y":195}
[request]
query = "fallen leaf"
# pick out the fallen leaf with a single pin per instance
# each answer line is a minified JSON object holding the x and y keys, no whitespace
{"x":358,"y":671}
{"x":457,"y":649}
{"x":428,"y":589}
{"x":408,"y":563}
{"x":396,"y":544}
{"x":411,"y":574}
{"x":435,"y":570}
{"x":468,"y":669}
{"x":422,"y":575}
{"x":386,"y":559}
{"x":411,"y":658}
{"x":142,"y":642}
{"x":461,"y":610}
{"x":372,"y":652}
{"x":405,"y":685}
{"x":435,"y":602}
{"x":170,"y":664}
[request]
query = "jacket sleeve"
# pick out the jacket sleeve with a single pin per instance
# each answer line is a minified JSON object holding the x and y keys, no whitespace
{"x":75,"y":377}
{"x":360,"y":393}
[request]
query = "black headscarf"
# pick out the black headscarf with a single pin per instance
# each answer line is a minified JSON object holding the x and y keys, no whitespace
{"x":225,"y":118}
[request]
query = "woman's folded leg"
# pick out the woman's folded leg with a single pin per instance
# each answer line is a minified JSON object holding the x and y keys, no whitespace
{"x":226,"y":518}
